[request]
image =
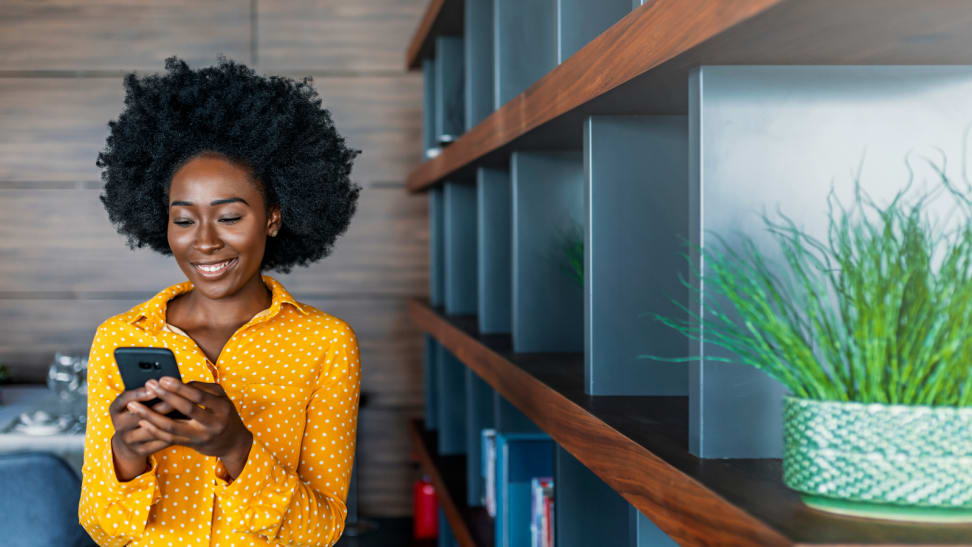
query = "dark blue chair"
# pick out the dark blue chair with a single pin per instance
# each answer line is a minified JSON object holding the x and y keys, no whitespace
{"x":39,"y":497}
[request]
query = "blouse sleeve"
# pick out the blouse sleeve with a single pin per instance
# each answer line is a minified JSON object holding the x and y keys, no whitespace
{"x":112,"y":512}
{"x":306,"y":507}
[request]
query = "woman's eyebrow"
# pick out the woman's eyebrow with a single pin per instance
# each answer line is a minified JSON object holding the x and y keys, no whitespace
{"x":215,"y":202}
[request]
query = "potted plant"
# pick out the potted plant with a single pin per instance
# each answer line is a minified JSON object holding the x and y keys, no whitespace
{"x":870,"y":329}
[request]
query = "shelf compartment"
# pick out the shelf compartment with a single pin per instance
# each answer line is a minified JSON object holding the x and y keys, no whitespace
{"x":589,"y":512}
{"x":478,"y":41}
{"x":639,"y":447}
{"x":493,"y":237}
{"x":430,"y":377}
{"x":637,"y":218}
{"x":451,"y":386}
{"x":471,"y":526}
{"x":519,"y":458}
{"x":459,"y":205}
{"x":548,"y":204}
{"x":479,"y":415}
{"x":580,"y":21}
{"x":640,"y":64}
{"x":524,"y":45}
{"x":450,"y":99}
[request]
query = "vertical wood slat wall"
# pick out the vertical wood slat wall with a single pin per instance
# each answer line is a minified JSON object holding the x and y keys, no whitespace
{"x":63,"y":267}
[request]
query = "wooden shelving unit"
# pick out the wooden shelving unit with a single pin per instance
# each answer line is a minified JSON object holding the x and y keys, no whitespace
{"x":641,"y":64}
{"x":608,"y":136}
{"x":638,"y":446}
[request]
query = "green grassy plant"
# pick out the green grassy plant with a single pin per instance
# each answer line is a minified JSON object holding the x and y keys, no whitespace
{"x":880,"y":311}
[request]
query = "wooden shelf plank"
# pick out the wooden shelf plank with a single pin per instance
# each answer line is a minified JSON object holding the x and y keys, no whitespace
{"x":472,"y":526}
{"x":639,"y":447}
{"x":441,"y":18}
{"x":640,"y":64}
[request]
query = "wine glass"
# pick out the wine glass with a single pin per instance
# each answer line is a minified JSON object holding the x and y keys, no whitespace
{"x":64,"y":381}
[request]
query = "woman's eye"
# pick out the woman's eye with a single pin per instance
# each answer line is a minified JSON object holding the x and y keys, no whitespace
{"x":182,"y":222}
{"x":234,"y":219}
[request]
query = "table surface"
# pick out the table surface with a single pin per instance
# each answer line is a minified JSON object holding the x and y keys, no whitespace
{"x":16,"y":399}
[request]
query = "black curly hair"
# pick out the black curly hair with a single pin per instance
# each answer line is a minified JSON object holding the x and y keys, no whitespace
{"x":273,"y":127}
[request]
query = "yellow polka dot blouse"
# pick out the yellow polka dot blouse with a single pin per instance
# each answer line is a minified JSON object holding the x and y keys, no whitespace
{"x":293,"y":373}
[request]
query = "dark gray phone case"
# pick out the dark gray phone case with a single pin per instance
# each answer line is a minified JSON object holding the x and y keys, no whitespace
{"x":139,"y":364}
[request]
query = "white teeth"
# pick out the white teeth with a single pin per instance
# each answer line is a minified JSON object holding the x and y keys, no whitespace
{"x":214,"y":268}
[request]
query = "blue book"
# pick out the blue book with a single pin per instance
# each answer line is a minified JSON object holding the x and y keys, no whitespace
{"x":519,"y":458}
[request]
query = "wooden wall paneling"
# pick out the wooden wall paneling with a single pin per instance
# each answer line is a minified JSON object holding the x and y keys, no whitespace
{"x":580,"y":21}
{"x":548,"y":203}
{"x":449,"y":89}
{"x":637,"y":219}
{"x":382,"y":253}
{"x":377,"y":114}
{"x":436,"y":246}
{"x":451,"y":385}
{"x":493,"y":238}
{"x":459,"y":203}
{"x":117,"y":35}
{"x":478,"y":47}
{"x":479,"y":415}
{"x":524,"y":46}
{"x":359,"y":36}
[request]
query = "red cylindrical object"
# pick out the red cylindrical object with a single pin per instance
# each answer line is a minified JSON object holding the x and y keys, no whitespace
{"x":426,"y":510}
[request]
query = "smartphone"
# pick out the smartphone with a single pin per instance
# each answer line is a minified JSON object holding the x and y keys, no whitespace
{"x":138,"y":365}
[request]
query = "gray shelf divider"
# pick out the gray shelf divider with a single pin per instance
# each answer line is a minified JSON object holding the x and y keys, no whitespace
{"x":430,"y":142}
{"x":580,"y":21}
{"x":430,"y":376}
{"x":436,"y":247}
{"x":459,"y":204}
{"x":479,"y":416}
{"x":642,"y":532}
{"x":524,"y":45}
{"x":548,"y":207}
{"x":494,"y":248}
{"x":636,"y":203}
{"x":451,"y":402}
{"x":478,"y":42}
{"x":450,"y":102}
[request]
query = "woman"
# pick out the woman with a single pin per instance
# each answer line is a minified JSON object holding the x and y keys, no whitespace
{"x":230,"y":173}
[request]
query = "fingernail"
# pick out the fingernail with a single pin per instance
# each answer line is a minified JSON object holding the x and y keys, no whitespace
{"x":168,"y":381}
{"x":150,"y":383}
{"x":132,"y":406}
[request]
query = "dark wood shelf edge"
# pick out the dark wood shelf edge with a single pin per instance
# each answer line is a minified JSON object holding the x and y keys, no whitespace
{"x":455,"y":510}
{"x":682,"y":507}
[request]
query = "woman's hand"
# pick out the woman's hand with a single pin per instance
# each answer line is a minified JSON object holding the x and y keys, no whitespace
{"x":131,"y":445}
{"x":214,"y":427}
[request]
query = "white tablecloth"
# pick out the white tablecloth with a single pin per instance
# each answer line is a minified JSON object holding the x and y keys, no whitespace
{"x":24,"y":398}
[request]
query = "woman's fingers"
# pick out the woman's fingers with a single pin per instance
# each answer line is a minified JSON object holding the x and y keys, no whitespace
{"x":178,"y":400}
{"x":175,"y":431}
{"x":118,"y":405}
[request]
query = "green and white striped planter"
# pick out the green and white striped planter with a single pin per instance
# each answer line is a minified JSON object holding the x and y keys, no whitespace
{"x":899,"y":462}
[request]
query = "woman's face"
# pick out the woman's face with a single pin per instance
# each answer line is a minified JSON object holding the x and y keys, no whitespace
{"x":218,"y":226}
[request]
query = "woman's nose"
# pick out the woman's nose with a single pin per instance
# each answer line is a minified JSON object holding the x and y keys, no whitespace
{"x":207,"y":238}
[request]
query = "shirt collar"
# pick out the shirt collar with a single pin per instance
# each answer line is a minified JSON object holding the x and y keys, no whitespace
{"x":154,"y":309}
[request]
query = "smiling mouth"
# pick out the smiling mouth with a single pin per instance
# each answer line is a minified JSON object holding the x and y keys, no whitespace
{"x":214,"y":270}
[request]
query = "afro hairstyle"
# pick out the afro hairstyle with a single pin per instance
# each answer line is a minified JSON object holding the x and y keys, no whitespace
{"x":273,"y":127}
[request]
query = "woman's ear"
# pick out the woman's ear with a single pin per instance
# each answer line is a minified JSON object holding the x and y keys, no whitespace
{"x":273,"y":221}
